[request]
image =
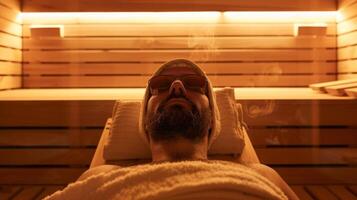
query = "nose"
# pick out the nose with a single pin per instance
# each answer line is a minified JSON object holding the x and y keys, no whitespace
{"x":177,"y":88}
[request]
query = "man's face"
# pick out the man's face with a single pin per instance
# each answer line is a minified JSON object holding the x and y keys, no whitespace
{"x":178,"y":111}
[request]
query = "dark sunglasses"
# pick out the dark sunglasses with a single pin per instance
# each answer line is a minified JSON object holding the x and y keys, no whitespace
{"x":162,"y":83}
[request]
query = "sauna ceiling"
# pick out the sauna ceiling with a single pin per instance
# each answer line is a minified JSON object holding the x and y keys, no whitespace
{"x":176,"y":5}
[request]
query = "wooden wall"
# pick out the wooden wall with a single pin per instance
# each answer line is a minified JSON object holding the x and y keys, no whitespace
{"x":122,"y":51}
{"x":176,"y":5}
{"x":301,"y":139}
{"x":347,"y":39}
{"x":10,"y":44}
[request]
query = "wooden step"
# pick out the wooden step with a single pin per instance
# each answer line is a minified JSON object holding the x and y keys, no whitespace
{"x":340,"y":90}
{"x":321,"y":87}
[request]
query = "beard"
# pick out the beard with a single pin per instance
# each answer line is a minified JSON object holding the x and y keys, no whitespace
{"x":175,"y":121}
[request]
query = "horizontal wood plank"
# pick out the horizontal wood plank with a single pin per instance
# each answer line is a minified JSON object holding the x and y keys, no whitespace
{"x":94,"y":113}
{"x":162,"y":56}
{"x":303,"y":113}
{"x":323,"y":175}
{"x":347,"y":11}
{"x":11,"y":41}
{"x":157,"y":5}
{"x":10,"y":27}
{"x":56,"y":137}
{"x":347,"y":66}
{"x":308,"y":136}
{"x":55,"y":113}
{"x":9,"y":14}
{"x":8,"y":54}
{"x":46,"y":156}
{"x":303,"y":175}
{"x":347,"y":39}
{"x":346,"y":76}
{"x":269,"y":156}
{"x":10,"y":82}
{"x":347,"y":53}
{"x":10,"y":68}
{"x":258,"y":80}
{"x":14,"y":4}
{"x":180,"y":43}
{"x":347,"y":26}
{"x":136,"y":94}
{"x":41,"y":175}
{"x":318,"y":175}
{"x":210,"y":68}
{"x":307,"y":156}
{"x":103,"y":29}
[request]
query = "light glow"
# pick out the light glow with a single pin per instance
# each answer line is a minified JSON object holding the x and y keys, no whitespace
{"x":121,"y":17}
{"x":281,"y":17}
{"x":180,"y":17}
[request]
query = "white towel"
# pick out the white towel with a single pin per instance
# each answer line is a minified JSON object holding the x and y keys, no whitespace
{"x":176,"y":180}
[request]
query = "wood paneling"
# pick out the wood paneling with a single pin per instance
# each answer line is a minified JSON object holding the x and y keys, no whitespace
{"x":347,"y":66}
{"x":318,"y":175}
{"x":347,"y":37}
{"x":210,"y":68}
{"x":303,"y":113}
{"x":10,"y":27}
{"x":320,"y":192}
{"x":46,"y":156}
{"x":176,"y":5}
{"x":11,"y":41}
{"x":9,"y":13}
{"x":45,"y":137}
{"x":137,"y":43}
{"x":10,"y":45}
{"x":10,"y":55}
{"x":161,"y":55}
{"x":9,"y":81}
{"x":113,"y":81}
{"x":301,"y":139}
{"x":40,"y":175}
{"x":303,"y":136}
{"x":55,"y":113}
{"x":123,"y":50}
{"x":10,"y":68}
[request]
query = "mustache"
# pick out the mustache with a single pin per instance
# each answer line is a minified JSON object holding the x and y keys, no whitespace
{"x":165,"y":101}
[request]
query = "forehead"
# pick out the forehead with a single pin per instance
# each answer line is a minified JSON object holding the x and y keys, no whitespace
{"x":178,"y":71}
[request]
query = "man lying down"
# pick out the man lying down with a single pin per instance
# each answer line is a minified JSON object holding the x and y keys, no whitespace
{"x":179,"y":119}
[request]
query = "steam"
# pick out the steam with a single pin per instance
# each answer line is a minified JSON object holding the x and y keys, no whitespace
{"x":260,"y":109}
{"x":203,"y":43}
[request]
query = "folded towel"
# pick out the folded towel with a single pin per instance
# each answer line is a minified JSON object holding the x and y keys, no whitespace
{"x":174,"y":180}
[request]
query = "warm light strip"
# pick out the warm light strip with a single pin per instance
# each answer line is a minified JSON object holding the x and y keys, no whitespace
{"x":281,"y":17}
{"x":181,"y":17}
{"x":122,"y":17}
